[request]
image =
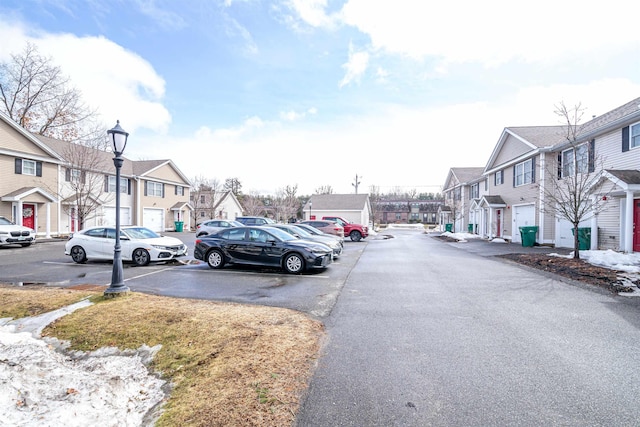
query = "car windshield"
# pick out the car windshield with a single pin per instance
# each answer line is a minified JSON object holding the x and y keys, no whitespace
{"x":140,"y":233}
{"x":5,"y":221}
{"x":282,"y":235}
{"x":301,"y":231}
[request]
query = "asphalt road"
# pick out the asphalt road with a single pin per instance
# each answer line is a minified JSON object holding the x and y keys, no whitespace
{"x":427,"y":334}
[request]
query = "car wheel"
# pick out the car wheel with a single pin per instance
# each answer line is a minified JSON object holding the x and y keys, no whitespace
{"x":356,"y":236}
{"x":141,"y":257}
{"x":215,"y":259}
{"x":78,"y":255}
{"x":293,"y":263}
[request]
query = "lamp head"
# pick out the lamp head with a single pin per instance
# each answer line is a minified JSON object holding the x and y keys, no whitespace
{"x":118,"y":138}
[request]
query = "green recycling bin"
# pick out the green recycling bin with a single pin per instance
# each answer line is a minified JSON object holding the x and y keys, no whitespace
{"x":179,"y":226}
{"x":470,"y":228}
{"x":448,"y":227}
{"x":528,"y":235}
{"x":584,"y":238}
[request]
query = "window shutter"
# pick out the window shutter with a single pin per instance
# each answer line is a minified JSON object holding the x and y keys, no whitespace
{"x":38,"y":168}
{"x":106,"y":183}
{"x":146,"y":184}
{"x":175,"y":191}
{"x":128,"y":186}
{"x":533,"y":170}
{"x":67,"y":174}
{"x":559,"y":165}
{"x":18,"y":169}
{"x":163,"y":191}
{"x":592,"y":155}
{"x":514,"y":175}
{"x":83,"y":177}
{"x":625,"y":139}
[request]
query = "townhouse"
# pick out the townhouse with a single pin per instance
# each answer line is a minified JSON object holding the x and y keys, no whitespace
{"x":461,"y":188}
{"x":57,"y":187}
{"x":529,"y":164}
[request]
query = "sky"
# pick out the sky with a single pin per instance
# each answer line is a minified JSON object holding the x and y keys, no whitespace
{"x":324,"y":93}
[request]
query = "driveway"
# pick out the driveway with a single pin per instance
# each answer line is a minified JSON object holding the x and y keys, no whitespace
{"x":427,"y":334}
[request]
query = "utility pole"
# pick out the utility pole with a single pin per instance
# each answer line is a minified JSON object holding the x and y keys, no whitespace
{"x":356,"y":183}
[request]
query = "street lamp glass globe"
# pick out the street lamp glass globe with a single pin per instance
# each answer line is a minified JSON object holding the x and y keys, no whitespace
{"x":118,"y":138}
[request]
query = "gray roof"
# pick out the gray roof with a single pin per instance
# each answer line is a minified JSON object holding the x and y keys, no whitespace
{"x":338,"y":201}
{"x":465,"y":175}
{"x":630,"y":109}
{"x":540,"y":136}
{"x":494,"y":200}
{"x":626,"y":176}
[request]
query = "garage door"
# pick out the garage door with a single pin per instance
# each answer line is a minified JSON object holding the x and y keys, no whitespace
{"x":523,"y":216}
{"x":153,"y":219}
{"x":110,"y":215}
{"x":564,"y":235}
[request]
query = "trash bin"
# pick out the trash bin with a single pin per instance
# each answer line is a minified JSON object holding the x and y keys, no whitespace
{"x":448,"y":227}
{"x":179,"y":226}
{"x":470,"y":228}
{"x":584,"y":238}
{"x":528,"y":235}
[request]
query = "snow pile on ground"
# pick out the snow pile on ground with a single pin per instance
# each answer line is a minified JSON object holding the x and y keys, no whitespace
{"x":627,"y":262}
{"x":40,"y":386}
{"x":461,"y":237}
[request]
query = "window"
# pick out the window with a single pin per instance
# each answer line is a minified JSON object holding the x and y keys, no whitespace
{"x":179,"y":190}
{"x":634,"y":136}
{"x":523,"y":173}
{"x":474,"y":191}
{"x":201,"y":214}
{"x":202,"y":199}
{"x":577,"y":157}
{"x":499,"y":178}
{"x":111,"y":185}
{"x":155,"y":189}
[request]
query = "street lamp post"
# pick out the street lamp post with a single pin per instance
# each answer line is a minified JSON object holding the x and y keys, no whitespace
{"x":310,"y":203}
{"x":118,"y":138}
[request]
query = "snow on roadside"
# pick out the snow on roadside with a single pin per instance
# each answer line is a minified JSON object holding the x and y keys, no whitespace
{"x":41,"y":386}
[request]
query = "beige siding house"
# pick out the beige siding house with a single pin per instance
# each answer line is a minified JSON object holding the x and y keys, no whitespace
{"x":461,"y":187}
{"x":57,"y":187}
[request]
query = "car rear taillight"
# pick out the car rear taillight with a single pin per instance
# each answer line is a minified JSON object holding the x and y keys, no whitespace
{"x":198,"y":241}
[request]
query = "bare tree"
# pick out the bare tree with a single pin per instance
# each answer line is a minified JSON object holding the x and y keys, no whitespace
{"x":253,"y":204}
{"x":375,"y":198}
{"x":233,"y":185}
{"x":285,"y":204}
{"x":201,"y":188}
{"x":571,"y":187}
{"x":37,"y":96}
{"x":325,"y":189}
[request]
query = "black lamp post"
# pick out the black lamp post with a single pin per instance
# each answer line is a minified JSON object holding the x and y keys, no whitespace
{"x":118,"y":138}
{"x":310,"y":204}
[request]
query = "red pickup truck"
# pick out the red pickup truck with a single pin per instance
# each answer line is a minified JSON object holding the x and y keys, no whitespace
{"x":355,"y":231}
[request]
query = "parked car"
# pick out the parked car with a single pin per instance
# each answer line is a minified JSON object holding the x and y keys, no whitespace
{"x":215,"y":225}
{"x":262,"y":245}
{"x":138,"y":244}
{"x":14,"y":234}
{"x":254,"y":220}
{"x":317,"y":232}
{"x":355,"y":231}
{"x":326,"y":226}
{"x":301,"y":233}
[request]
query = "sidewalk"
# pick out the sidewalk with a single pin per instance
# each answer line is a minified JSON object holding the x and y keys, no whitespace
{"x":485,"y":247}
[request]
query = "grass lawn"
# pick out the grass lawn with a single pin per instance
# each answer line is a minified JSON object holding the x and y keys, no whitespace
{"x":228,"y":364}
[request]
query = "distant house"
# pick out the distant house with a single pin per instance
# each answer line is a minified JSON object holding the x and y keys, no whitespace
{"x":390,"y":211}
{"x":352,"y":207}
{"x":461,"y":191}
{"x":210,"y":204}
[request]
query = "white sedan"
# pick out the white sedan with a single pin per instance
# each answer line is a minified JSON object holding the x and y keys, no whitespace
{"x":139,"y":245}
{"x":11,"y":233}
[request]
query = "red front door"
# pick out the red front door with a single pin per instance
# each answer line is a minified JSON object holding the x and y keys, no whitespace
{"x":636,"y":225}
{"x":29,"y":215}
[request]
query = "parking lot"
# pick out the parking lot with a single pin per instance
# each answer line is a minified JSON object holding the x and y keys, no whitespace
{"x":314,"y":292}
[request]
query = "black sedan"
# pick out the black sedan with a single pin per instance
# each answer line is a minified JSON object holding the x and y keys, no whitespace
{"x":262,"y":245}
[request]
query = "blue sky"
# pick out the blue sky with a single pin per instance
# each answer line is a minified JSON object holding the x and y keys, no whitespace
{"x":314,"y":92}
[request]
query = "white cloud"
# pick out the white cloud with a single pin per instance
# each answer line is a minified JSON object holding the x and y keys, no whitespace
{"x":355,"y":67}
{"x":312,"y":13}
{"x":493,"y":31}
{"x":113,"y":80}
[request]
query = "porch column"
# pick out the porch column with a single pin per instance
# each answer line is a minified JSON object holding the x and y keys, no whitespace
{"x":19,"y":213}
{"x":490,"y":224}
{"x":628,"y":223}
{"x":48,"y":220}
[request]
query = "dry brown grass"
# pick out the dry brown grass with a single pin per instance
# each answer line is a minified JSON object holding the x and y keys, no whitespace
{"x":229,"y":364}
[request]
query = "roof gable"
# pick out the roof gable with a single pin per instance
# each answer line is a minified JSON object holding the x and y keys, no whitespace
{"x":19,"y":140}
{"x":338,"y":202}
{"x":516,"y":142}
